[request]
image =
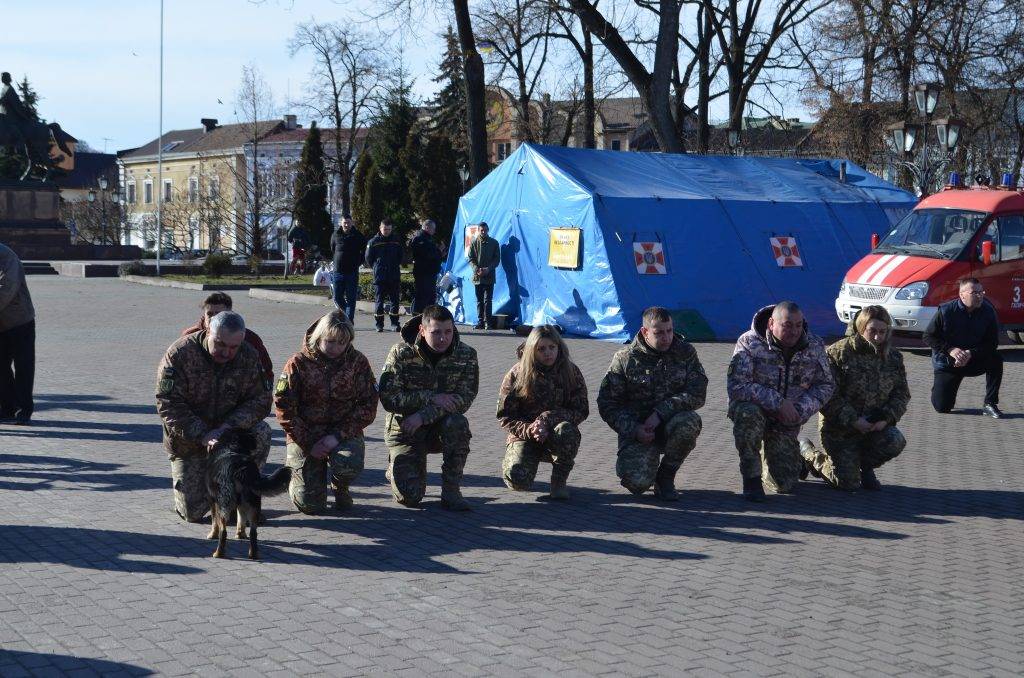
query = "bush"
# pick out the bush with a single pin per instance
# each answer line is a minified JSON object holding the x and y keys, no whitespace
{"x":368,"y":292}
{"x":131,"y":268}
{"x":217,"y":264}
{"x":149,"y":254}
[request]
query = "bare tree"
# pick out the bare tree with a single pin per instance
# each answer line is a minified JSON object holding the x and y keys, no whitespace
{"x":347,"y":73}
{"x":254,"y":106}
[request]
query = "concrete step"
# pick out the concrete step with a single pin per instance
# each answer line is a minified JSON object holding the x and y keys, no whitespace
{"x":38,"y":268}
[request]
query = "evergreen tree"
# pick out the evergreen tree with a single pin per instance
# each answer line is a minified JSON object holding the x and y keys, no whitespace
{"x":311,"y":192}
{"x":434,"y":183}
{"x":367,"y":205}
{"x":13,"y":164}
{"x":450,"y":102}
{"x":29,"y":97}
{"x":391,"y":131}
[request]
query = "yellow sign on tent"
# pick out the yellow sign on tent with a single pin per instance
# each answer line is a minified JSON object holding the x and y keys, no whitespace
{"x":564,"y":247}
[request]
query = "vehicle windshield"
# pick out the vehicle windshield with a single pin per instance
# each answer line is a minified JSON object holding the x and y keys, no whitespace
{"x":935,"y":233}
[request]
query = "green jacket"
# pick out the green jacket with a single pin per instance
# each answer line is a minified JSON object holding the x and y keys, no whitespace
{"x":409,"y":380}
{"x":641,"y":380}
{"x":484,"y":253}
{"x":869,"y":382}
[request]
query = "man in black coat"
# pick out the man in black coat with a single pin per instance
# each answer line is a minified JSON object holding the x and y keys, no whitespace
{"x":426,"y":264}
{"x":964,"y":336}
{"x":384,"y":256}
{"x":348,"y":246}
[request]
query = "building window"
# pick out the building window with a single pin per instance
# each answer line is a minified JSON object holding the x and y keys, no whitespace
{"x":616,"y":145}
{"x":168,"y":190}
{"x":147,"y":192}
{"x":214,"y":188}
{"x":193,"y":189}
{"x":130,"y":197}
{"x":504,"y":150}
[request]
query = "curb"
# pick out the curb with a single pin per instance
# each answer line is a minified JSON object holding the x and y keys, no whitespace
{"x":157,"y":282}
{"x":292,"y":297}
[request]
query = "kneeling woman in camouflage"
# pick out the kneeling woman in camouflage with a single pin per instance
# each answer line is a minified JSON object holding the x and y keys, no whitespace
{"x":858,"y":425}
{"x":324,"y":399}
{"x":542,"y":402}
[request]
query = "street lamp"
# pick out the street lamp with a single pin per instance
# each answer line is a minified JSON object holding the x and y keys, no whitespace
{"x":733,"y":139}
{"x":948,"y":132}
{"x":926,"y":96}
{"x":910,"y":139}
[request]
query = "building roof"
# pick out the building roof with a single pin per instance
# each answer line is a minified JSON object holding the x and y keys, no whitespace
{"x":199,"y":140}
{"x":89,"y":167}
{"x":284,"y":136}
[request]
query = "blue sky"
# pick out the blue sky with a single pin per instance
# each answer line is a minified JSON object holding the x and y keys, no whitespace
{"x":96,"y":66}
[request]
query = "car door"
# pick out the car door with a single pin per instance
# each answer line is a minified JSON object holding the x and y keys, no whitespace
{"x":1003,"y":279}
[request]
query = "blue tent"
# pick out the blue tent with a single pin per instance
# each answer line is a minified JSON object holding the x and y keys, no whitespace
{"x":711,"y":238}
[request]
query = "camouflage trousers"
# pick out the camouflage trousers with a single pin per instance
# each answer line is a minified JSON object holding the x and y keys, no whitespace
{"x":766,"y":449}
{"x":311,"y":476}
{"x":407,"y":456}
{"x":188,"y":475}
{"x":522,"y":457}
{"x":842,"y":458}
{"x":637,"y":463}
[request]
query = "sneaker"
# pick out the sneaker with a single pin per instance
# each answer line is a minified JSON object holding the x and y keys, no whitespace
{"x":396,"y":328}
{"x":992,"y":411}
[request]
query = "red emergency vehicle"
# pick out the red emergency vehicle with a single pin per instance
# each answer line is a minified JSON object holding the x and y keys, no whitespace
{"x":956,"y":233}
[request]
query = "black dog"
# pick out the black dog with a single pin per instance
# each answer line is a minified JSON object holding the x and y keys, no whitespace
{"x":234,"y":483}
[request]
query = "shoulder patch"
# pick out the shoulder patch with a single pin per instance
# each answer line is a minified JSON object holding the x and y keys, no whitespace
{"x":282,"y":385}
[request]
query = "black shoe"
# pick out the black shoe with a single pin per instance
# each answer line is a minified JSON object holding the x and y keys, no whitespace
{"x":396,"y":328}
{"x":664,"y":484}
{"x":992,"y":411}
{"x":23,"y":420}
{"x":478,"y":326}
{"x":380,"y":329}
{"x":752,"y":490}
{"x":868,"y":481}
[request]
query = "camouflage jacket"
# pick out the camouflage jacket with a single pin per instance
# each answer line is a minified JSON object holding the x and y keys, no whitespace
{"x":759,"y":372}
{"x":869,"y":382}
{"x":316,"y":396}
{"x":251,"y":338}
{"x":409,"y":380}
{"x":641,"y":380}
{"x":552,"y":401}
{"x":195,"y":394}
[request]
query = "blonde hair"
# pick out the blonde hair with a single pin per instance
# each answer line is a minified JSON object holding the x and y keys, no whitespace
{"x":528,"y":361}
{"x":335,"y":323}
{"x":869,"y":313}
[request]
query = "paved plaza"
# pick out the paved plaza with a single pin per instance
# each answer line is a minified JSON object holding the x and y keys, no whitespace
{"x":99,"y":576}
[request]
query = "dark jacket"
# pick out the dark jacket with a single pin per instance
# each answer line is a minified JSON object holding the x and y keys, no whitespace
{"x":15,"y":302}
{"x":348,"y":250}
{"x":426,"y":257}
{"x":299,"y":237}
{"x":953,"y":327}
{"x":384,"y":256}
{"x":484,"y":253}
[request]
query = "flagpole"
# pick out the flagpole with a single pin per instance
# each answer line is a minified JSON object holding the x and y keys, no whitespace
{"x":160,"y":150}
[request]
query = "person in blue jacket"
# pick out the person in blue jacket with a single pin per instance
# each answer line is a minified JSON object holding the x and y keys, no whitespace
{"x":384,"y":256}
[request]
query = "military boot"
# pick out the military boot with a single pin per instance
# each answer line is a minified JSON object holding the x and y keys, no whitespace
{"x":752,"y":490}
{"x":451,"y":476}
{"x":665,"y":483}
{"x":559,"y":476}
{"x":868,"y":480}
{"x":342,"y":498}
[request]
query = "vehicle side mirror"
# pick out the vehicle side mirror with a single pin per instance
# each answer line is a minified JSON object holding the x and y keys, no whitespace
{"x":986,"y":252}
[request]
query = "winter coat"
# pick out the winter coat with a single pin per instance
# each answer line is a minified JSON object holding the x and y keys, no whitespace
{"x":870,"y":382}
{"x":194,"y":394}
{"x":484,"y":253}
{"x":348,"y":250}
{"x":384,"y":256}
{"x":759,"y":372}
{"x":317,"y":396}
{"x":641,"y":380}
{"x":410,"y":379}
{"x":551,"y":403}
{"x":16,"y":307}
{"x":251,"y":338}
{"x":426,"y":257}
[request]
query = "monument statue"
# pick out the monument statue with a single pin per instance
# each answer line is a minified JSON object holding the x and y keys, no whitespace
{"x":21,"y":132}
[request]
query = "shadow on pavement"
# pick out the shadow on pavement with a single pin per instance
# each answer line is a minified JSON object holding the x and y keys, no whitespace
{"x":39,"y":663}
{"x":86,"y":430}
{"x":87,"y":403}
{"x":29,"y":472}
{"x":96,"y":549}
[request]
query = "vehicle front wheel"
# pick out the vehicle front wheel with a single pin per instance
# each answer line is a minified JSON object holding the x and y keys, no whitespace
{"x":1016,"y":337}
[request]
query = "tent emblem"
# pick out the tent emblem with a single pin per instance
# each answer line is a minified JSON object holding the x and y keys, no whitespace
{"x":649,"y":258}
{"x":787,"y":254}
{"x":472,"y":231}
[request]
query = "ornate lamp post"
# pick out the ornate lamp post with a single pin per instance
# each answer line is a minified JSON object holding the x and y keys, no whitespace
{"x":909,"y":140}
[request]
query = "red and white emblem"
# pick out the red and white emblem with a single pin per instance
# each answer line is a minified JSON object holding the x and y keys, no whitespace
{"x":786,"y":253}
{"x":472,"y":231}
{"x":649,"y":258}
